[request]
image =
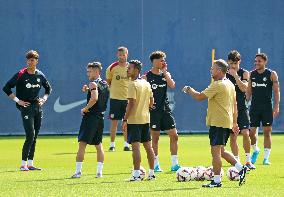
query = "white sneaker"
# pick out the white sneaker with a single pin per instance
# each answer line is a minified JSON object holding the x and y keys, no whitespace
{"x":99,"y":175}
{"x":76,"y":175}
{"x":24,"y":168}
{"x":133,"y":178}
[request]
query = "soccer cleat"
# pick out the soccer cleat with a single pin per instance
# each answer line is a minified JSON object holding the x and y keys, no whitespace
{"x":158,"y":169}
{"x":24,"y":168}
{"x":250,"y":166}
{"x":99,"y":175}
{"x":151,"y":178}
{"x":111,"y":149}
{"x":212,"y":184}
{"x":133,"y":178}
{"x":175,"y":168}
{"x":33,"y":168}
{"x":76,"y":175}
{"x":242,"y":174}
{"x":126,"y":148}
{"x":254,"y":156}
{"x":266,"y":162}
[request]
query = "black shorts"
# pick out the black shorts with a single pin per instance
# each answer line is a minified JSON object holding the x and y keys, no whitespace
{"x":117,"y":109}
{"x":243,"y":119}
{"x":218,"y":135}
{"x":263,"y":116}
{"x":91,"y":129}
{"x":138,"y":133}
{"x":162,"y":121}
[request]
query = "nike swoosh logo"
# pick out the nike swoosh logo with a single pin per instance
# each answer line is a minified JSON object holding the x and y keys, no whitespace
{"x":63,"y":108}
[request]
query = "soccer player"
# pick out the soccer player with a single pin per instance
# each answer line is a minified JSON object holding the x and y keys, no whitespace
{"x":161,"y":114}
{"x":28,"y":83}
{"x":137,"y":118}
{"x":92,"y":125}
{"x":239,"y":77}
{"x":221,"y":119}
{"x":116,"y":76}
{"x":262,"y":83}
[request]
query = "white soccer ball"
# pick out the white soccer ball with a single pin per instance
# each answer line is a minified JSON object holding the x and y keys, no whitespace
{"x":193,"y":174}
{"x":200,"y":172}
{"x":233,"y":174}
{"x":183,"y":174}
{"x":209,"y":173}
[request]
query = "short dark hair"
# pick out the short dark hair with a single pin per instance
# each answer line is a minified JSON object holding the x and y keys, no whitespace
{"x":95,"y":65}
{"x":262,"y":55}
{"x":137,"y":64}
{"x":234,"y":56}
{"x":157,"y":55}
{"x":222,"y":64}
{"x":123,"y":49}
{"x":32,"y":54}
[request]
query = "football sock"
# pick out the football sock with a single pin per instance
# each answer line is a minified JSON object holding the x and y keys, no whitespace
{"x":255,"y":147}
{"x":239,"y":166}
{"x":248,"y":158}
{"x":79,"y":167}
{"x":266,"y":153}
{"x":24,"y":163}
{"x":126,"y":144}
{"x":156,"y":161}
{"x":30,"y":163}
{"x":217,"y":178}
{"x":151,"y":172}
{"x":136,"y":173}
{"x":237,"y":158}
{"x":174,"y":160}
{"x":100,"y":166}
{"x":112,"y":144}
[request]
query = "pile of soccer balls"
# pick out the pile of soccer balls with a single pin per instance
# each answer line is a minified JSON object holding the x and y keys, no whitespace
{"x":201,"y":173}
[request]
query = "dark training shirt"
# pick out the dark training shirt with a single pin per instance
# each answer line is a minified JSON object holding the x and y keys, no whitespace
{"x":27,"y":85}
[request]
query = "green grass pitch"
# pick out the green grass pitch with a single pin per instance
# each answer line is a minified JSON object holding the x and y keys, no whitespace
{"x":56,"y":155}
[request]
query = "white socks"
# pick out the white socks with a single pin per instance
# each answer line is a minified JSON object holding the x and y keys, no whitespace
{"x":239,"y":166}
{"x":248,"y":158}
{"x":156,"y":161}
{"x":24,"y":163}
{"x":30,"y":163}
{"x":100,"y":167}
{"x":112,"y":144}
{"x":136,"y":173}
{"x":126,"y":144}
{"x":174,"y":160}
{"x":151,"y":172}
{"x":79,"y":167}
{"x":237,"y":158}
{"x":217,"y":178}
{"x":255,"y":147}
{"x":266,"y":153}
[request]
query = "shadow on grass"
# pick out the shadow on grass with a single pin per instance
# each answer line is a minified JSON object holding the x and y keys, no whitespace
{"x":119,"y":173}
{"x":169,"y":190}
{"x":69,"y":153}
{"x":43,"y":180}
{"x":9,"y":171}
{"x":80,"y":184}
{"x":168,"y":172}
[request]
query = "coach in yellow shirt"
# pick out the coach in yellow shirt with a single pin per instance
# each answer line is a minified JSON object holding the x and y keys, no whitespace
{"x":221,"y":119}
{"x":116,"y":76}
{"x":137,"y":118}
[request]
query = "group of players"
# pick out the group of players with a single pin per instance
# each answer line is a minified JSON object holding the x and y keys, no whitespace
{"x":227,"y":112}
{"x":142,"y":104}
